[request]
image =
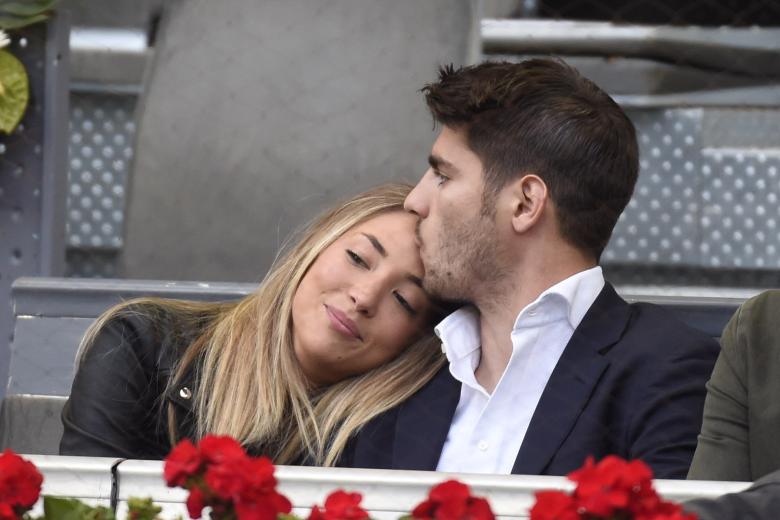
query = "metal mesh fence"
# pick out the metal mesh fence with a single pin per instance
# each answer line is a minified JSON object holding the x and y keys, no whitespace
{"x":701,"y":82}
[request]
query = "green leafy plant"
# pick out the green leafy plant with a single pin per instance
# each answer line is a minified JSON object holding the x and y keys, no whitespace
{"x":14,"y":83}
{"x":73,"y":509}
{"x":15,"y":14}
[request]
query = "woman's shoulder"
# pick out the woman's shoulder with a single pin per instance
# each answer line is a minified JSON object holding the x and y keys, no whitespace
{"x":152,"y":330}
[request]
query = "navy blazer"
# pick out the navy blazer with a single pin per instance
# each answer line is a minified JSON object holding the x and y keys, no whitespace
{"x":630,"y":382}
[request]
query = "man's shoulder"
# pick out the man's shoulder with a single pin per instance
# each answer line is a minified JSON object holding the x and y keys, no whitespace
{"x":656,"y":332}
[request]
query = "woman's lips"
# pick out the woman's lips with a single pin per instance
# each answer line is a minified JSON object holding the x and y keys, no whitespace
{"x":342,"y":323}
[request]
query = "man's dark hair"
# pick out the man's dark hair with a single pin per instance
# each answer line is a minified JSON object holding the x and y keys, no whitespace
{"x":541,"y":116}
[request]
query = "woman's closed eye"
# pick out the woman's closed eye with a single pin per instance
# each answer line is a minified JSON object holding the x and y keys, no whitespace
{"x":357,"y":259}
{"x":405,"y":304}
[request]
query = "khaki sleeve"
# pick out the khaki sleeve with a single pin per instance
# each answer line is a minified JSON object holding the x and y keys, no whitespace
{"x":723,"y":452}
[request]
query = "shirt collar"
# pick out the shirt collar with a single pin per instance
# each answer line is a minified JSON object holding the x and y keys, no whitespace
{"x":459,"y":332}
{"x":571,"y":297}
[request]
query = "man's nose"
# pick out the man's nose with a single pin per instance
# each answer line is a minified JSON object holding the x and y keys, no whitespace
{"x":417,"y":200}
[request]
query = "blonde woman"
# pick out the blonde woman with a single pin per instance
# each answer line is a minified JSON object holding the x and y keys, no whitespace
{"x":338,"y":331}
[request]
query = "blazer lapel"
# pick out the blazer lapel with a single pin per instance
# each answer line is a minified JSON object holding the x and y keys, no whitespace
{"x":572,"y":381}
{"x":423,"y":423}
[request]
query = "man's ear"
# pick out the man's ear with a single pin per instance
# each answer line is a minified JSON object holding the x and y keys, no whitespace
{"x":529,"y":200}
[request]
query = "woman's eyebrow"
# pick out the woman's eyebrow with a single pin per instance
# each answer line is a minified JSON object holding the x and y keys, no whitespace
{"x":376,"y":243}
{"x":416,"y":280}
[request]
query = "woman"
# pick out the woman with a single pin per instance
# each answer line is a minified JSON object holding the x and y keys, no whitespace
{"x":337,"y":332}
{"x":739,"y":435}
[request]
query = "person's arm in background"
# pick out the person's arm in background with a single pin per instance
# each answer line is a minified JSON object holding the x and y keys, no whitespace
{"x":722,"y":452}
{"x":759,"y":502}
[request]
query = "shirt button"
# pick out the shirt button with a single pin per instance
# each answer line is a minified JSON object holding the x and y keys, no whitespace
{"x":185,"y":393}
{"x":483,"y":445}
{"x":532,"y":312}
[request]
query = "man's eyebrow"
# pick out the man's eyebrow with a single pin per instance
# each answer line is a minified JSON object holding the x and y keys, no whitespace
{"x":376,"y":243}
{"x":438,"y":163}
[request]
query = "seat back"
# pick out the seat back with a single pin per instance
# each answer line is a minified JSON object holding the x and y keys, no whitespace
{"x":31,"y":423}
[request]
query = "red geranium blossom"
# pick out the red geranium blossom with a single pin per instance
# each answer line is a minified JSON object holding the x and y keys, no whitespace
{"x":219,"y":474}
{"x":452,"y":500}
{"x":554,"y":505}
{"x":610,"y":489}
{"x":196,"y":502}
{"x":7,"y":513}
{"x":216,"y":449}
{"x":340,"y":505}
{"x":182,"y":462}
{"x":20,"y":483}
{"x":614,"y":485}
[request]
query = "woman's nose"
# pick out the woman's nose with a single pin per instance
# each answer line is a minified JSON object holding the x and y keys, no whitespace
{"x":365,"y":295}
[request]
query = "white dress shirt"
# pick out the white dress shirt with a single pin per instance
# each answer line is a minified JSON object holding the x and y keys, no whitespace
{"x":487,"y":429}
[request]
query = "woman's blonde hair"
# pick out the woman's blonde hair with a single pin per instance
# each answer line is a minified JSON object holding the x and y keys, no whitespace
{"x":251,"y":385}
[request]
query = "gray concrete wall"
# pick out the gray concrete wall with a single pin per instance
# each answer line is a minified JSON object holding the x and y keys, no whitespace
{"x":259,"y":114}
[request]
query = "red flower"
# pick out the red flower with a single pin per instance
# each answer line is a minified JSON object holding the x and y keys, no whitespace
{"x":195,"y":502}
{"x":614,"y":485}
{"x":220,"y":475}
{"x":268,"y":508}
{"x":7,"y":512}
{"x":612,"y":488}
{"x":452,"y":500}
{"x":20,"y":482}
{"x":181,"y":463}
{"x":554,"y":505}
{"x":217,"y":449}
{"x":228,"y":479}
{"x":666,"y":511}
{"x":340,"y":505}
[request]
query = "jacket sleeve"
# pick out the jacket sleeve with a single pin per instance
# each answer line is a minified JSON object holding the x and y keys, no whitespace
{"x":667,"y":417}
{"x":110,"y":406}
{"x":722,"y":452}
{"x":759,"y":502}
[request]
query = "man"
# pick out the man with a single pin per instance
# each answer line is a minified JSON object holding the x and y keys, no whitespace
{"x":548,"y":365}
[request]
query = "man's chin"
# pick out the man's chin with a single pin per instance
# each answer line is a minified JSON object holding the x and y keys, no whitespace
{"x":442,"y":288}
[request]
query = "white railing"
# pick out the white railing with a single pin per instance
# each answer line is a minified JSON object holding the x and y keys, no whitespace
{"x":386,"y":493}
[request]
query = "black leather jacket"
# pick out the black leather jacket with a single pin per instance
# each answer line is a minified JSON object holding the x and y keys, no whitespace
{"x":118,"y":406}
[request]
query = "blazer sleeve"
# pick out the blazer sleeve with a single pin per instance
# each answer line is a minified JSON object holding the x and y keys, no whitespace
{"x":722,"y":452}
{"x":108,"y":411}
{"x":667,"y":418}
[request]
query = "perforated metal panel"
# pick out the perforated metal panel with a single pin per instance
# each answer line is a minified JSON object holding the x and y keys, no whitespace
{"x":660,"y":223}
{"x":102,"y":130}
{"x":698,"y":206}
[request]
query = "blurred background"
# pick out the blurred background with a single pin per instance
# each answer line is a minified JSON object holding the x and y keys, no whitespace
{"x":186,"y":139}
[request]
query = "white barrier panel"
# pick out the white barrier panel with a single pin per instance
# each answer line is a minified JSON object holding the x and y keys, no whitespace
{"x":85,"y":478}
{"x":386,"y":493}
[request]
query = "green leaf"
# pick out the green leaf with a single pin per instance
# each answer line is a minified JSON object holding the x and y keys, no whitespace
{"x":9,"y":23}
{"x":142,"y":509}
{"x":73,"y":509}
{"x":14,"y":91}
{"x":30,"y":8}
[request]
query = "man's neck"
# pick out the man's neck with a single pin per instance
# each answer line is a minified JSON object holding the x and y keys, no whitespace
{"x":499,"y":311}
